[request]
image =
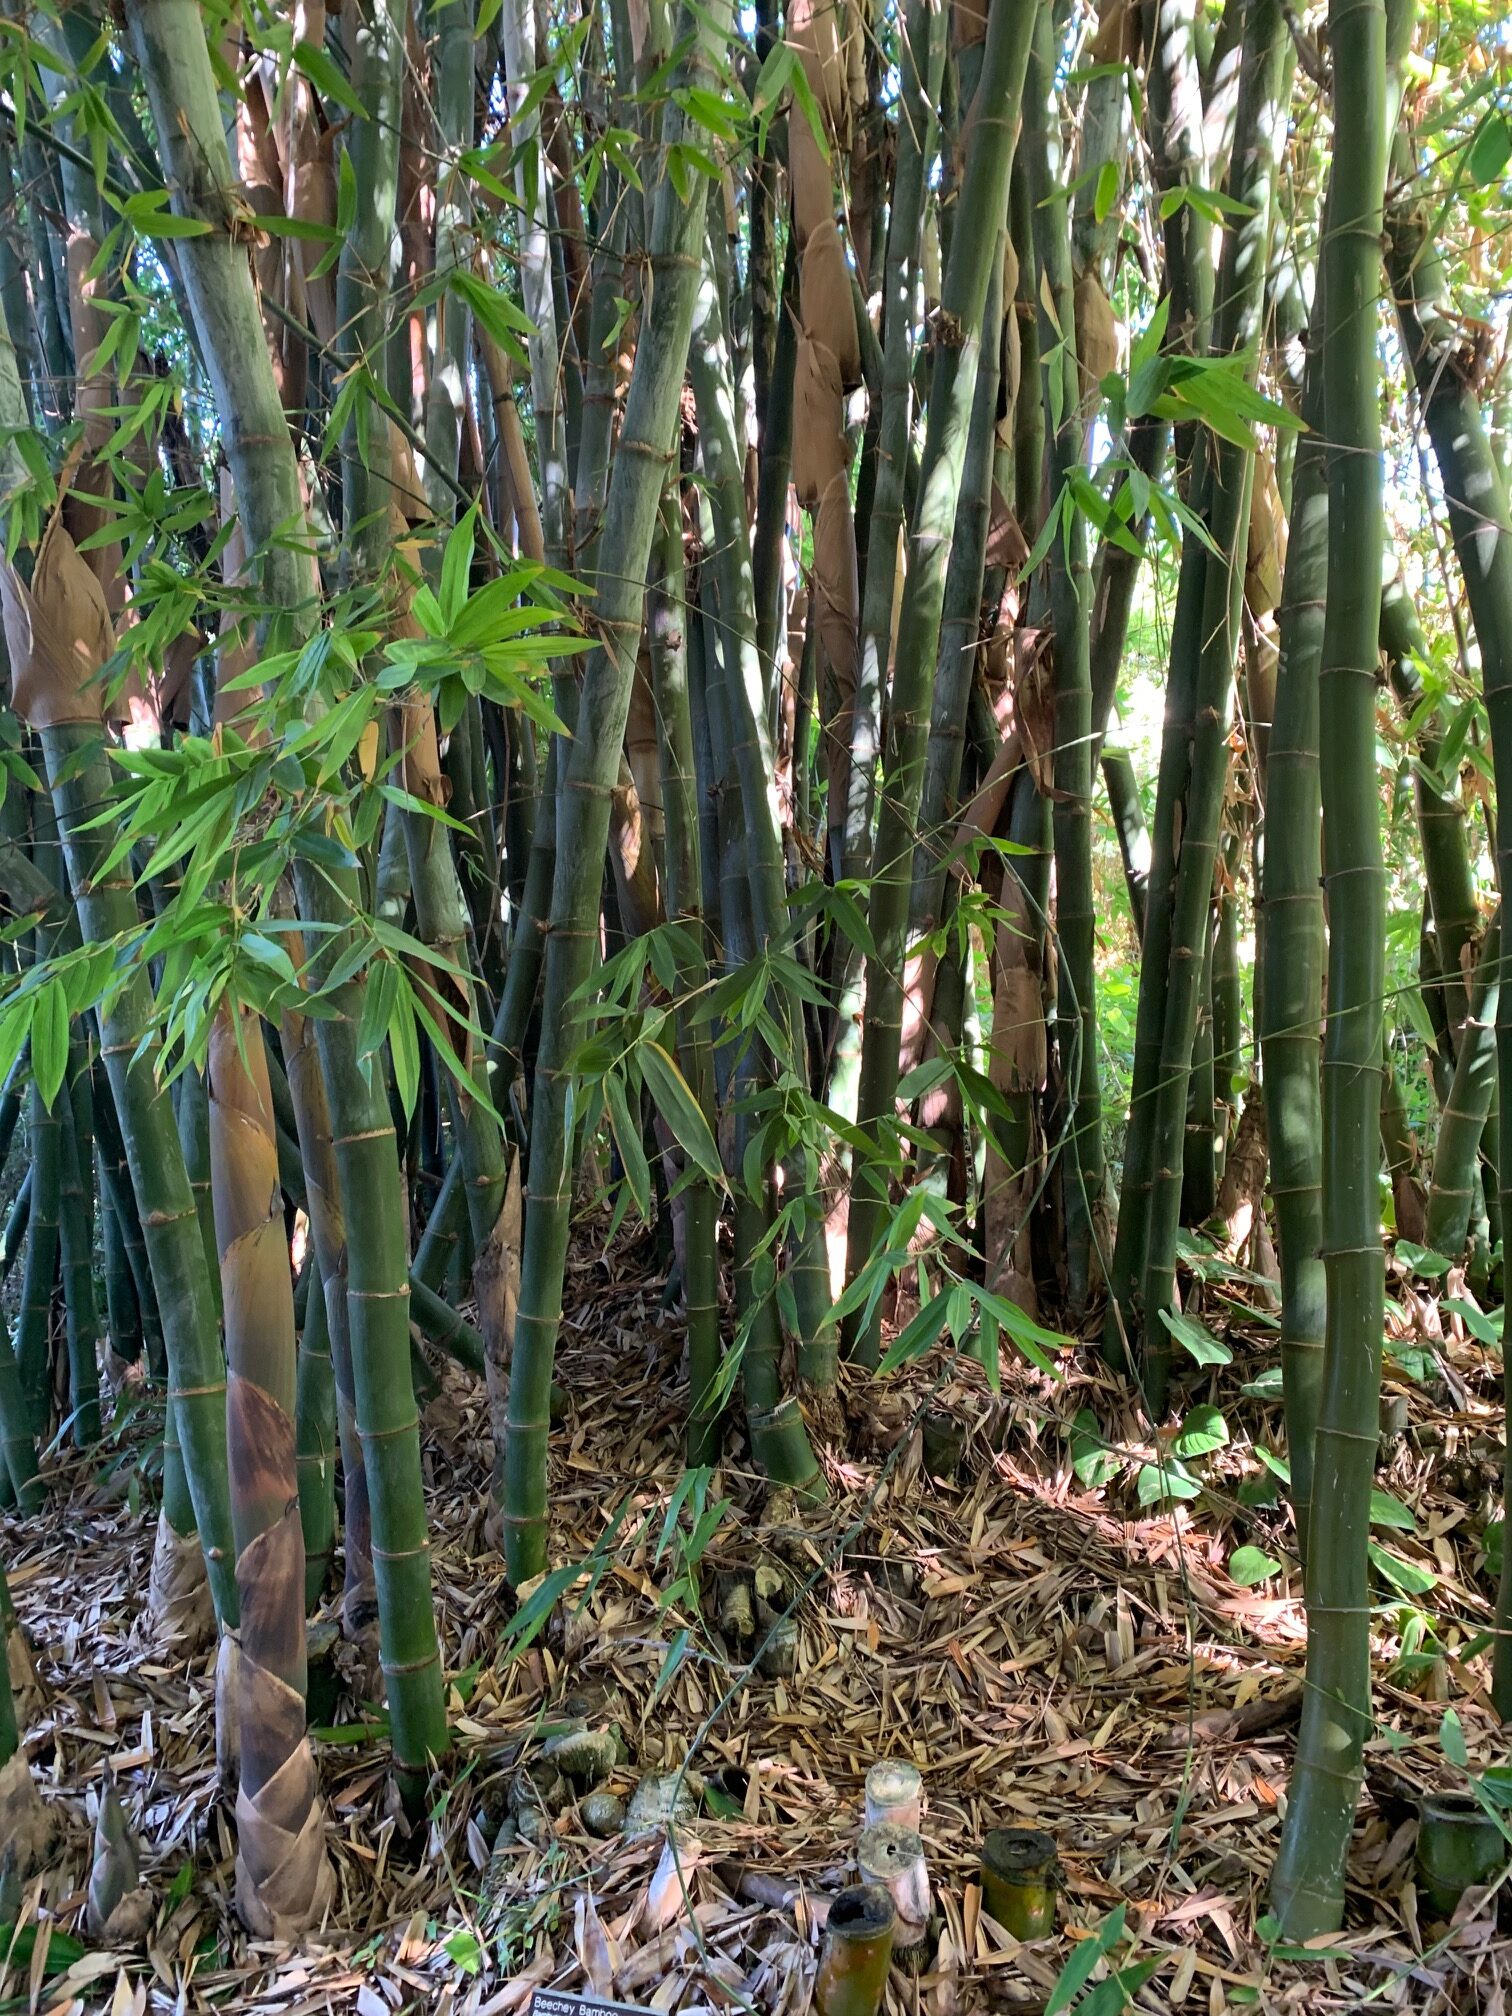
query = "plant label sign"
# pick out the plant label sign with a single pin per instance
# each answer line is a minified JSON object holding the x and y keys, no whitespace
{"x":549,"y":2002}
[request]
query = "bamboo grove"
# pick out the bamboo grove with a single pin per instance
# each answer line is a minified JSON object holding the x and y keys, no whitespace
{"x":571,"y":579}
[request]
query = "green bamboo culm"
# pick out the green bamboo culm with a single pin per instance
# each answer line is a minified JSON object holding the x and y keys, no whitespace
{"x":76,"y":1249}
{"x":588,"y":774}
{"x":1462,"y":1119}
{"x":748,"y":711}
{"x":684,"y":897}
{"x":1291,"y":941}
{"x":1260,"y":128}
{"x":1307,"y":1888}
{"x":1448,"y":874}
{"x":168,"y":40}
{"x":123,"y":1318}
{"x":10,"y":1732}
{"x":921,"y":68}
{"x":194,"y":1139}
{"x":981,"y":215}
{"x":1481,"y":527}
{"x":1177,"y":142}
{"x":17,"y":1446}
{"x":40,"y":1267}
{"x":1079,"y":1120}
{"x":73,"y":750}
{"x":315,"y":1444}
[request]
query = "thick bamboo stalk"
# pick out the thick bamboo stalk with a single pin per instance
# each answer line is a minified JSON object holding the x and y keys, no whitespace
{"x":76,"y":1250}
{"x":1077,"y":1124}
{"x":1260,"y":132}
{"x":1307,"y":1889}
{"x":1447,"y":871}
{"x":315,"y":1443}
{"x":630,"y":514}
{"x":944,"y":750}
{"x":517,"y":26}
{"x":921,"y":67}
{"x":123,"y":1318}
{"x":168,"y":39}
{"x":1291,"y":939}
{"x":17,"y":1446}
{"x":115,"y":1184}
{"x":194,"y":1139}
{"x":669,"y":672}
{"x":328,"y":1239}
{"x":38,"y":1274}
{"x":1177,"y":149}
{"x":984,"y":207}
{"x":748,"y":711}
{"x":1481,"y":527}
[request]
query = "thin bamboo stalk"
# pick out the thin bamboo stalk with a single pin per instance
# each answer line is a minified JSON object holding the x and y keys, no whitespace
{"x":1462,"y":1119}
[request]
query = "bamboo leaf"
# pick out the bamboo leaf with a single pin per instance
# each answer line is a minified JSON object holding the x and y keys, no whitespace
{"x":318,"y":68}
{"x":1106,"y":193}
{"x":1490,"y":151}
{"x":675,"y":1102}
{"x":404,"y":1043}
{"x":1403,"y":1575}
{"x":1074,"y":1975}
{"x":1196,"y":1338}
{"x":1452,"y":1740}
{"x":1388,"y":1511}
{"x":627,"y":1138}
{"x":49,"y":1040}
{"x":1485,"y":1329}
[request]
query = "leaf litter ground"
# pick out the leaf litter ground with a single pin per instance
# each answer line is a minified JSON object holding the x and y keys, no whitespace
{"x":1050,"y":1652}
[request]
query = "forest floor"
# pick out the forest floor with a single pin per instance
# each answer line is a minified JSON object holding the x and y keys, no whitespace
{"x":1047,"y":1650}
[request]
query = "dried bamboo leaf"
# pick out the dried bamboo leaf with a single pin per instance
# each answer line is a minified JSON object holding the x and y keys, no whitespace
{"x":1265,"y":551}
{"x":27,"y":1827}
{"x":58,"y":632}
{"x":1096,"y":330}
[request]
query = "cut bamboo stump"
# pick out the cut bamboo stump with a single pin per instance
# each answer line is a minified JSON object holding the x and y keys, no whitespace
{"x":1020,"y":1876}
{"x":1459,"y":1847}
{"x":858,"y":1942}
{"x":892,"y":1857}
{"x":895,"y":1792}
